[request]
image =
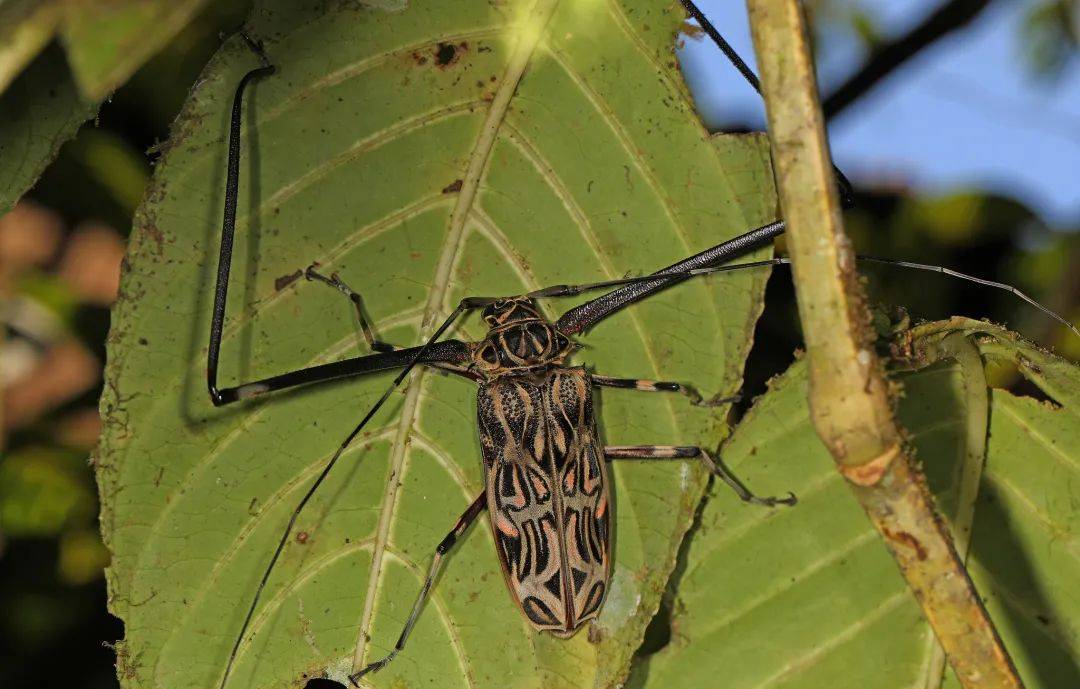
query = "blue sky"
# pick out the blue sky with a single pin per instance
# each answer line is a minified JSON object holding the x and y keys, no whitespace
{"x":967,"y":112}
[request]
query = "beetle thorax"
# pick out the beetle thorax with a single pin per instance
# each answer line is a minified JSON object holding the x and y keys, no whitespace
{"x":520,"y":339}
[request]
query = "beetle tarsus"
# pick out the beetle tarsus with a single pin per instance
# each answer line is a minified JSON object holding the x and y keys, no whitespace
{"x":372,"y":667}
{"x":716,"y":401}
{"x":771,"y":501}
{"x":337,"y":283}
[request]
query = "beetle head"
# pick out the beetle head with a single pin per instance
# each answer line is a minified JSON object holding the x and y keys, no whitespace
{"x":520,"y":338}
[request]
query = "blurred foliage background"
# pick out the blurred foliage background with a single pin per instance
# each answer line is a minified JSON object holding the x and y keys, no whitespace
{"x":61,"y":247}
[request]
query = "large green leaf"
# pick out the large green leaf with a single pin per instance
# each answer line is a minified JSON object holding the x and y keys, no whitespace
{"x":809,"y":597}
{"x":425,"y":153}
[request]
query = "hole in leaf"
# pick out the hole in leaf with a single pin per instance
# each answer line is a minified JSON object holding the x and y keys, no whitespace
{"x":323,"y":683}
{"x":658,"y":633}
{"x":1025,"y":388}
{"x":446,"y":54}
{"x":1009,"y":376}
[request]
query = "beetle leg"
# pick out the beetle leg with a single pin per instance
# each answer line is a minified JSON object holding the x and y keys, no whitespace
{"x":664,"y":386}
{"x":441,"y":550}
{"x":337,"y":283}
{"x":715,"y":466}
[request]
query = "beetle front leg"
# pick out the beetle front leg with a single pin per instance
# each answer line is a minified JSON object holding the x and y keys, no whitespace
{"x":337,"y":283}
{"x":715,"y":466}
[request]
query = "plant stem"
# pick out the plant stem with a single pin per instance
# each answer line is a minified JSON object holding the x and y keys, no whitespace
{"x":850,"y":398}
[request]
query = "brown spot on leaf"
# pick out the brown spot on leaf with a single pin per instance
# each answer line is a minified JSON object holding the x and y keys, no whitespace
{"x":156,"y":235}
{"x":452,"y":187}
{"x":302,"y":537}
{"x":286,"y":280}
{"x":448,"y":54}
{"x":1028,"y":363}
{"x":127,"y":666}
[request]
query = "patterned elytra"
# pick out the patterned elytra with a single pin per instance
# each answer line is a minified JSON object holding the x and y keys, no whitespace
{"x":547,"y":494}
{"x":546,"y":486}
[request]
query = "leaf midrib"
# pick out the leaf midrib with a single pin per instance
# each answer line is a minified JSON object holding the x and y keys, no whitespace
{"x":541,"y":13}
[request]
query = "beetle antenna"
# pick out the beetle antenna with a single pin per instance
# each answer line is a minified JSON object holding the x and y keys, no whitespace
{"x":847,"y":192}
{"x":783,"y":260}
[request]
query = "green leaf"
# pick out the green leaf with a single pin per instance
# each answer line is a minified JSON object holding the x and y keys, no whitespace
{"x":26,"y":26}
{"x":107,"y":41}
{"x":512,"y":149}
{"x":40,"y":111}
{"x":809,"y":597}
{"x":44,"y":98}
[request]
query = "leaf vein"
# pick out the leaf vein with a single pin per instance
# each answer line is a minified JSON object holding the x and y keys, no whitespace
{"x":448,"y":256}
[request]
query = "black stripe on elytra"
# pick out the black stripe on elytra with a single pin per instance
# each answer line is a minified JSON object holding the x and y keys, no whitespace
{"x":532,"y":545}
{"x":538,"y":612}
{"x":592,"y":603}
{"x":511,"y":549}
{"x":579,"y":579}
{"x":543,"y":548}
{"x":538,"y":483}
{"x":554,"y":584}
{"x":512,"y":486}
{"x":591,"y":470}
{"x":601,"y":525}
{"x":573,"y":519}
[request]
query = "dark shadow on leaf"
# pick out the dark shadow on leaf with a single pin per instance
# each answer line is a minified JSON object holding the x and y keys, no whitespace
{"x":660,"y":632}
{"x":1036,"y":624}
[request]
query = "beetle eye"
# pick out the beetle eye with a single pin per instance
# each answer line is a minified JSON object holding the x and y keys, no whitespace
{"x":488,"y":355}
